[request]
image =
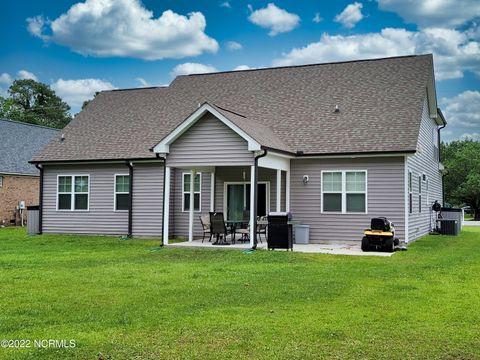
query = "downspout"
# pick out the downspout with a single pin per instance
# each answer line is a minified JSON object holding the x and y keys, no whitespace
{"x":255,"y":199}
{"x":130,"y":198}
{"x":439,"y":161}
{"x":163,"y":196}
{"x":40,"y":200}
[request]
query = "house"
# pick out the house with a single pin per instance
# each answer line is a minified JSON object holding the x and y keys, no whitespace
{"x":19,"y":180}
{"x":335,"y":144}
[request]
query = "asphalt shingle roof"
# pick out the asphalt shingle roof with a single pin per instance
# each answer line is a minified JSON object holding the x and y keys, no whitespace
{"x":287,"y":108}
{"x":19,"y":142}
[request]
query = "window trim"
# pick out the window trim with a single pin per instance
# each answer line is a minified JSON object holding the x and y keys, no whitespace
{"x":1,"y":181}
{"x":194,"y":192}
{"x":120,"y":192}
{"x":420,"y":182}
{"x":344,"y":192}
{"x":410,"y":192}
{"x":72,"y":193}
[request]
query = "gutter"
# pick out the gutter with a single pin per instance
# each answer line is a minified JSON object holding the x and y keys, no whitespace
{"x":130,"y":198}
{"x":254,"y":225}
{"x":40,"y":200}
{"x":163,"y":196}
{"x":439,"y":161}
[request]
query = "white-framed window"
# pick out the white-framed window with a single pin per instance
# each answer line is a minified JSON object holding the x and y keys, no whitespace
{"x":420,"y":193}
{"x":344,"y":191}
{"x":1,"y":181}
{"x":73,"y":192}
{"x":197,"y":190}
{"x":121,"y":192}
{"x":410,"y":193}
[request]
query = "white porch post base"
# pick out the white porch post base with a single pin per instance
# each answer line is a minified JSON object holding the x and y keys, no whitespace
{"x":253,"y":190}
{"x":192,"y":194}
{"x":166,"y":201}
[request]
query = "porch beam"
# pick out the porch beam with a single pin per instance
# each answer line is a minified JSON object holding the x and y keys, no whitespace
{"x":279,"y":189}
{"x":192,"y":194}
{"x":166,"y":205}
{"x":253,"y":194}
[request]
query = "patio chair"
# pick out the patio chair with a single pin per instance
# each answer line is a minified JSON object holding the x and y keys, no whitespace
{"x":244,"y":230}
{"x":205,"y":221}
{"x":262,"y":228}
{"x":218,"y":227}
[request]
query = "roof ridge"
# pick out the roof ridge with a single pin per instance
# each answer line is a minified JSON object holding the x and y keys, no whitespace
{"x":136,"y":88}
{"x":306,"y":65}
{"x":30,"y":124}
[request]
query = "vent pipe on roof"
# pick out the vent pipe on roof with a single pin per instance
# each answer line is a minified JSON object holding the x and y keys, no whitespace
{"x":62,"y":137}
{"x":337,"y":108}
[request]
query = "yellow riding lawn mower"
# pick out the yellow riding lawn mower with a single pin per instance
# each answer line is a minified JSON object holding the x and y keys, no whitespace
{"x":380,"y":236}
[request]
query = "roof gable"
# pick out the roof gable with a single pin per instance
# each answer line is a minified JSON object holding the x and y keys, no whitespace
{"x":164,"y":145}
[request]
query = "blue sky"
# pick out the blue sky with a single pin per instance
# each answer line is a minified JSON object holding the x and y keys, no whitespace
{"x":79,"y":47}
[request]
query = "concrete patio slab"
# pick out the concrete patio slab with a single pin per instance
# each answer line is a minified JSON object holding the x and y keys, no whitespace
{"x":334,"y":248}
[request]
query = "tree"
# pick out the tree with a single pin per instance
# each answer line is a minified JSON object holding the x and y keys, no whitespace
{"x":462,"y":182}
{"x":36,"y":103}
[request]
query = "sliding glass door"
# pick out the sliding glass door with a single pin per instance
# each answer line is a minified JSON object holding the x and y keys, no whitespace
{"x":238,"y":200}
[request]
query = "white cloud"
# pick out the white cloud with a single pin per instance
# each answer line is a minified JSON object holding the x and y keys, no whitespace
{"x":143,"y":82}
{"x":6,"y":79}
{"x":126,"y":28}
{"x":226,"y":4}
{"x":425,"y":13}
{"x":317,"y":18}
{"x":75,"y":92}
{"x":24,"y":74}
{"x":192,"y":68}
{"x":36,"y":25}
{"x":462,"y":113}
{"x":242,"y":67}
{"x":273,"y":18}
{"x":454,"y":53}
{"x":233,"y":45}
{"x":351,"y":15}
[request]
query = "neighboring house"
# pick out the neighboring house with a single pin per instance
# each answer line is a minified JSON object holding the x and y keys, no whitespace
{"x":335,"y":144}
{"x":19,"y":180}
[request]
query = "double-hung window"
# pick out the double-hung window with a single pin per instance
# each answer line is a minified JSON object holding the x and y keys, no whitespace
{"x":197,"y":186}
{"x":344,"y":191}
{"x":122,"y":192}
{"x":73,"y":192}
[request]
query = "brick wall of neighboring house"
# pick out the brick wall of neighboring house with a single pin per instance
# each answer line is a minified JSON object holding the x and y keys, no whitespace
{"x":15,"y":189}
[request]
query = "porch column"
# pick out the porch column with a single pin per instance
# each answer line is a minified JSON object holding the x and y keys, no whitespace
{"x":279,"y":189}
{"x":253,"y":194}
{"x":212,"y":191}
{"x":287,"y":191}
{"x":192,"y":194}
{"x":166,"y":205}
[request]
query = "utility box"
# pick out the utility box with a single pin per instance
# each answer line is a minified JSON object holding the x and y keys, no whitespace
{"x":33,"y":220}
{"x":453,"y":214}
{"x":302,"y":234}
{"x":448,"y":227}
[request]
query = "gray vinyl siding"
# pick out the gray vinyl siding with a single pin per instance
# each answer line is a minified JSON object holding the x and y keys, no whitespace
{"x":211,"y":142}
{"x":101,"y":218}
{"x":424,"y":161}
{"x":147,"y":199}
{"x":385,"y":197}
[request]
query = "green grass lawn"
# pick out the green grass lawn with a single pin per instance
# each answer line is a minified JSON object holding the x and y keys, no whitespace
{"x":128,"y":299}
